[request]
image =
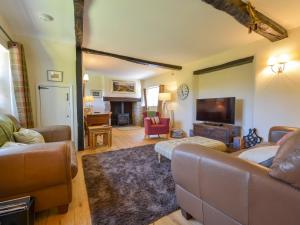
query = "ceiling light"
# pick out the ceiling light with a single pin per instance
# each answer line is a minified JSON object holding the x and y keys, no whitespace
{"x":46,"y":17}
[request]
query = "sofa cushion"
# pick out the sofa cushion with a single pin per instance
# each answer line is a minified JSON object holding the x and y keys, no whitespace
{"x":286,"y":164}
{"x":284,"y":138}
{"x":7,"y":128}
{"x":155,"y":120}
{"x":263,"y":155}
{"x":28,"y":136}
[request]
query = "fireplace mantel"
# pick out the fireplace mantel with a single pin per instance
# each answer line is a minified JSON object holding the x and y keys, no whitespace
{"x":121,"y":99}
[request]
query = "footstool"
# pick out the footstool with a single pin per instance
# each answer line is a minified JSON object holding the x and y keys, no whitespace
{"x":165,"y":148}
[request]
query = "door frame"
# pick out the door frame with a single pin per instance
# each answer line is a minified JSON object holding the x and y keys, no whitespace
{"x":38,"y":104}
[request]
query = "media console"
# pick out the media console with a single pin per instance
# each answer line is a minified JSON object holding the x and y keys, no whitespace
{"x":224,"y":133}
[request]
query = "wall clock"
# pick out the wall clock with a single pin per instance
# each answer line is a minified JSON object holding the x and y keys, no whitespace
{"x":183,"y":91}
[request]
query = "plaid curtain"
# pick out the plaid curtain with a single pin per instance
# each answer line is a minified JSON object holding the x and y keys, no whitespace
{"x":20,"y":83}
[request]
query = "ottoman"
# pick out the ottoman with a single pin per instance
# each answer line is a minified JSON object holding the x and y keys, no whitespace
{"x":166,"y":148}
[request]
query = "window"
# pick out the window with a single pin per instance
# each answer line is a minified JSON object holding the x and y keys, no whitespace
{"x":152,"y":96}
{"x":7,"y":97}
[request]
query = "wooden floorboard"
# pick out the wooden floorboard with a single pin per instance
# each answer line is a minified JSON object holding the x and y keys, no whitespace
{"x":79,"y":212}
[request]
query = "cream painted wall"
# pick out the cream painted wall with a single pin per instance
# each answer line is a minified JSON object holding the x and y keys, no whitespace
{"x":42,"y":55}
{"x":3,"y":38}
{"x":277,"y":96}
{"x":104,"y":83}
{"x":269,"y":99}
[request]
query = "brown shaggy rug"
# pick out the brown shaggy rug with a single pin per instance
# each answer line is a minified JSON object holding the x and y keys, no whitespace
{"x":129,"y":186}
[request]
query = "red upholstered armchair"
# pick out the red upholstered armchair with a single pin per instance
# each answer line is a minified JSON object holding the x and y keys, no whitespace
{"x":156,"y":129}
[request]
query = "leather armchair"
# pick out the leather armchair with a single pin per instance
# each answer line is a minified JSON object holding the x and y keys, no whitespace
{"x":44,"y":171}
{"x":219,"y":189}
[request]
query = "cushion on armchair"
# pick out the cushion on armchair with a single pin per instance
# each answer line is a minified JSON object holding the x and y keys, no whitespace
{"x":286,"y":164}
{"x":155,"y":120}
{"x":28,"y":136}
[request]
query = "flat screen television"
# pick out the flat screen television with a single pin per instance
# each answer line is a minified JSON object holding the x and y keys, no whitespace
{"x":216,"y":110}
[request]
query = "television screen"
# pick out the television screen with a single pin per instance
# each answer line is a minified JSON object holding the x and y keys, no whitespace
{"x":218,"y":110}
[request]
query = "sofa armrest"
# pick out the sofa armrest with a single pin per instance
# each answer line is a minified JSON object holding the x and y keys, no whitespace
{"x":25,"y":169}
{"x":55,"y":133}
{"x":164,"y":121}
{"x":147,"y":122}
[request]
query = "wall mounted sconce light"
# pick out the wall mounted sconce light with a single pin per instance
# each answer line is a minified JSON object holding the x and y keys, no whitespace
{"x":278,"y":63}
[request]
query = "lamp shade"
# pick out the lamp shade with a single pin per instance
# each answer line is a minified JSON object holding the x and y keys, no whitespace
{"x":89,"y":99}
{"x":85,"y":77}
{"x":164,"y":96}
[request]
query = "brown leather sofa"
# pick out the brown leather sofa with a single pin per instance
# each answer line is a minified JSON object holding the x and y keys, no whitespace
{"x":44,"y":171}
{"x":220,"y":189}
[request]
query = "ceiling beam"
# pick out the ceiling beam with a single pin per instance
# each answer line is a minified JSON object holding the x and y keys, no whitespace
{"x":258,"y":22}
{"x":78,"y":16}
{"x":131,"y":59}
{"x":227,"y":65}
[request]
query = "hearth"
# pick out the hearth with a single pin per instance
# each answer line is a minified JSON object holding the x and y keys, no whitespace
{"x":125,"y":110}
{"x":121,"y":113}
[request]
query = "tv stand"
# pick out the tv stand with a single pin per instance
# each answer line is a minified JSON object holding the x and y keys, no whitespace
{"x":224,"y":133}
{"x":214,"y":124}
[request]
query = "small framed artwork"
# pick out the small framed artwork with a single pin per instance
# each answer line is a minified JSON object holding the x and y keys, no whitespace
{"x":120,"y":86}
{"x":96,"y":93}
{"x":55,"y":76}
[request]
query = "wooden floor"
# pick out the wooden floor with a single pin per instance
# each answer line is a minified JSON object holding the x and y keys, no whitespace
{"x":79,"y":213}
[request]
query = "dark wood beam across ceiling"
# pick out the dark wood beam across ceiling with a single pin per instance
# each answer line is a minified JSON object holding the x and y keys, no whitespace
{"x":227,"y":65}
{"x":248,"y":16}
{"x":132,"y":59}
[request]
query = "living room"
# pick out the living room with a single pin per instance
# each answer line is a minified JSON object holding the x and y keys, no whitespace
{"x":120,"y":62}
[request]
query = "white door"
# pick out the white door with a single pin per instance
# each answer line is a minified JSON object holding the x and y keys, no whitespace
{"x":55,"y":106}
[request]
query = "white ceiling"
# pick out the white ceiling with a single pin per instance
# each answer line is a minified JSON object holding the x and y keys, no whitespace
{"x":171,"y":31}
{"x":22,"y":17}
{"x":103,"y":65}
{"x":168,"y":31}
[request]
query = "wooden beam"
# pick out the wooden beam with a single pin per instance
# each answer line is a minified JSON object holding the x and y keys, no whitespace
{"x":240,"y":11}
{"x":79,"y":101}
{"x":121,"y":99}
{"x":234,"y":63}
{"x":131,"y":59}
{"x":78,"y":15}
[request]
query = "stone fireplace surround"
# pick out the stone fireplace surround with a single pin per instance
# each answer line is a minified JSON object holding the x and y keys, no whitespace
{"x":124,"y":105}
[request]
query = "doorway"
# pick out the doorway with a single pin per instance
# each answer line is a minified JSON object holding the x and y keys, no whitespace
{"x":55,"y":106}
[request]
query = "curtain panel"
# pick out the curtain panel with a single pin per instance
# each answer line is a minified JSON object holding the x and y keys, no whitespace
{"x":20,"y":83}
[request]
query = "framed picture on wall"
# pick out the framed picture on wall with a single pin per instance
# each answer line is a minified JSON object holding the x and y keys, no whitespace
{"x":55,"y":76}
{"x":120,"y":86}
{"x":96,"y":93}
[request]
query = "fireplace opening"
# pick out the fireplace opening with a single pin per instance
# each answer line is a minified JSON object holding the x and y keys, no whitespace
{"x":121,"y":113}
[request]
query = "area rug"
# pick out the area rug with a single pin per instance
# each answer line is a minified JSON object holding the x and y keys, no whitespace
{"x":129,"y":186}
{"x":128,"y":128}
